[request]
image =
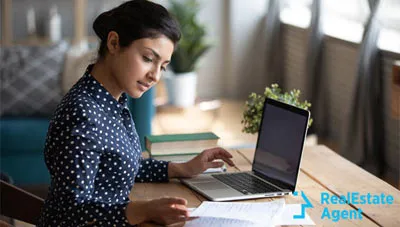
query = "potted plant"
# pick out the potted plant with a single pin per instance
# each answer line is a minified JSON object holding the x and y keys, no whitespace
{"x":181,"y":84}
{"x":254,"y":106}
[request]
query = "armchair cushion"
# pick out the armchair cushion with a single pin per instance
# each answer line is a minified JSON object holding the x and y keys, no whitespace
{"x":22,"y":144}
{"x":30,"y":83}
{"x":21,"y":136}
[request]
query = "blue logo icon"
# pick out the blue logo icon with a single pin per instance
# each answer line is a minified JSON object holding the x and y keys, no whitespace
{"x":303,"y":206}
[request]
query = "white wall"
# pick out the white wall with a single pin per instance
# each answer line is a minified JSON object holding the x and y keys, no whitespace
{"x":233,"y":66}
{"x":210,"y":68}
{"x":247,"y":48}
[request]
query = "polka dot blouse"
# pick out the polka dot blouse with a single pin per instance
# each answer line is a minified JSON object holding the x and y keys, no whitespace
{"x":94,"y":157}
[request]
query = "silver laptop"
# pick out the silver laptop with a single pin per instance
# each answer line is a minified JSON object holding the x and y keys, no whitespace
{"x":276,"y":161}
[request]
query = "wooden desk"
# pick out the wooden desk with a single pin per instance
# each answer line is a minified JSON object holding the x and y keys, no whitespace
{"x":322,"y":170}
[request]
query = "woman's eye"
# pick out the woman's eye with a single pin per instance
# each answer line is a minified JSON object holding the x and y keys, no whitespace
{"x":163,"y":68}
{"x":147,"y":59}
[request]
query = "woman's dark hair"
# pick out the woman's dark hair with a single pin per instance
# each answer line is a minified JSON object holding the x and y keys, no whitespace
{"x":134,"y":20}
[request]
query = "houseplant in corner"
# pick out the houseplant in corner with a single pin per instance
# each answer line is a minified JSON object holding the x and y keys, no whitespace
{"x":181,"y":84}
{"x":254,"y":106}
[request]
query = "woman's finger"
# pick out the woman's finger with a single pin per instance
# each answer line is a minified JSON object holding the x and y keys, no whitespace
{"x":225,"y":159}
{"x":224,"y":156}
{"x":178,"y":207}
{"x":220,"y":150}
{"x":176,"y":211}
{"x":182,"y":208}
{"x":215,"y":164}
{"x":191,"y":218}
{"x":225,"y":153}
{"x":175,"y":200}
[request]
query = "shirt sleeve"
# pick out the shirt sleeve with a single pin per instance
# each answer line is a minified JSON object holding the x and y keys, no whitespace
{"x":76,"y":164}
{"x":151,"y":170}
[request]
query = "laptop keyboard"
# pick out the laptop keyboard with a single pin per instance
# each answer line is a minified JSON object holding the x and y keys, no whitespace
{"x":245,"y":183}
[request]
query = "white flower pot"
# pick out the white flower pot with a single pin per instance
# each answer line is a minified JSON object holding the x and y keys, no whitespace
{"x":181,"y":88}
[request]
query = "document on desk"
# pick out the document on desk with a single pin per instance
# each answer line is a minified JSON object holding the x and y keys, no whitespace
{"x":218,"y":222}
{"x":238,"y":213}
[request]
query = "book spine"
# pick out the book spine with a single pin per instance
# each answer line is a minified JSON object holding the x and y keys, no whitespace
{"x":182,"y":137}
{"x":147,"y":144}
{"x":195,"y":150}
{"x":184,"y":144}
{"x":175,"y":158}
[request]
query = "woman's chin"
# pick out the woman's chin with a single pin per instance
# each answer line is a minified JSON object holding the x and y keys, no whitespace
{"x":135,"y":94}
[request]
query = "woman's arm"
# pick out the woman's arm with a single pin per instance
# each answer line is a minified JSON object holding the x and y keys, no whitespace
{"x":151,"y":170}
{"x":160,"y":171}
{"x":74,"y":165}
{"x":200,"y":163}
{"x":177,"y":169}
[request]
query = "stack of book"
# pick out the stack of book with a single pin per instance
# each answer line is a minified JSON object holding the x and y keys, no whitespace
{"x":179,"y":147}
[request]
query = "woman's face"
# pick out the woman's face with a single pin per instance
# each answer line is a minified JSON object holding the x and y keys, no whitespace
{"x":139,"y":66}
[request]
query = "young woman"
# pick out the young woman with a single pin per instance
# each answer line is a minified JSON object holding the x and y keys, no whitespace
{"x":92,"y":148}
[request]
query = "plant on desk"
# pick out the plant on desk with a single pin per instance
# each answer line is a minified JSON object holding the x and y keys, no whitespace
{"x":255,"y":103}
{"x":181,"y":84}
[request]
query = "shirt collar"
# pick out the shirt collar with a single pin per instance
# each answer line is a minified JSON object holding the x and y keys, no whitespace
{"x":102,"y":96}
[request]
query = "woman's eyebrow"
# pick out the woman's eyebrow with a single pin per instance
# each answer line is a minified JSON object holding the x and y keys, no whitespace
{"x":156,"y":54}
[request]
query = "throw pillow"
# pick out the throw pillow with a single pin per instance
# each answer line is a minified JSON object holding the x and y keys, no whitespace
{"x":30,"y":81}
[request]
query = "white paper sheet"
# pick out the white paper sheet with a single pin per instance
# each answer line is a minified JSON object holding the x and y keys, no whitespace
{"x":211,"y":222}
{"x":285,"y":217}
{"x":262,"y":213}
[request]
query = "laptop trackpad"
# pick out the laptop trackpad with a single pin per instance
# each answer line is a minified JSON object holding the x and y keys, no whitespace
{"x":217,"y":190}
{"x":211,"y":185}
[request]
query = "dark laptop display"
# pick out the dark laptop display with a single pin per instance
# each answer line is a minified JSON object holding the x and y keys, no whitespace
{"x":276,"y":162}
{"x":280,"y":142}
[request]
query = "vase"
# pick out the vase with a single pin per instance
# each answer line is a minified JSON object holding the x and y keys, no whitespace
{"x":181,"y":88}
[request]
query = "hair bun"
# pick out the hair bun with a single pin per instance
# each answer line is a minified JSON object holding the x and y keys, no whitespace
{"x":103,"y":24}
{"x":135,"y":19}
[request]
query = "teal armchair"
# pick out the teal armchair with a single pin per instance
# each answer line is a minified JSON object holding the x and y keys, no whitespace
{"x":143,"y":111}
{"x":22,"y":141}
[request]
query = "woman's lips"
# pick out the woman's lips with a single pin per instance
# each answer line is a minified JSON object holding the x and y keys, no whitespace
{"x":143,"y":86}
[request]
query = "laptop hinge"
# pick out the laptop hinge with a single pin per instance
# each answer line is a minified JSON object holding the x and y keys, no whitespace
{"x":277,"y":183}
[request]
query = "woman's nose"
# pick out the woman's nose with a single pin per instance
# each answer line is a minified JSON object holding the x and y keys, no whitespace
{"x":154,"y":75}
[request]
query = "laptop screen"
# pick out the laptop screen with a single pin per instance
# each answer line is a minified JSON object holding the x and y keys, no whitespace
{"x":280,"y":142}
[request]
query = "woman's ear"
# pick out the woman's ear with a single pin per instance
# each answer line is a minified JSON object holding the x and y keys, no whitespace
{"x":113,"y":42}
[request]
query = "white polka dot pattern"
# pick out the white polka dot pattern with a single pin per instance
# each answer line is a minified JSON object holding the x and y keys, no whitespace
{"x":93,"y":154}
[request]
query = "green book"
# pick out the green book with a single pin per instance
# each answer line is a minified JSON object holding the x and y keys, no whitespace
{"x":171,"y":144}
{"x":181,"y":137}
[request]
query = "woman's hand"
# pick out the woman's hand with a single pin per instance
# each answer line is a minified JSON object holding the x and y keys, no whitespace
{"x":165,"y":211}
{"x":200,"y":163}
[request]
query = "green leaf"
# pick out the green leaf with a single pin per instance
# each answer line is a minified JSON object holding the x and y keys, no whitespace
{"x":254,"y":106}
{"x":192,"y":44}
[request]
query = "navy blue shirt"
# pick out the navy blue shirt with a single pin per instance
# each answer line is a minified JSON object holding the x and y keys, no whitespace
{"x":93,"y":154}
